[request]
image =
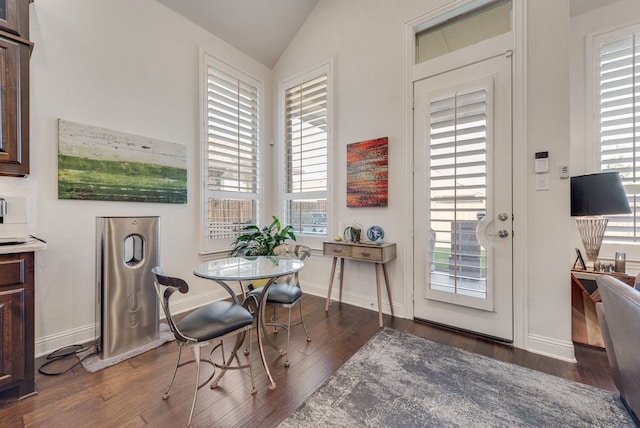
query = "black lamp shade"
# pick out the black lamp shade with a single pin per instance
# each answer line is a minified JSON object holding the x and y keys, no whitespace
{"x":598,"y":194}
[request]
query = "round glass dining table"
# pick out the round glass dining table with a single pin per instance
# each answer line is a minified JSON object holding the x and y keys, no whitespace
{"x":230,"y":269}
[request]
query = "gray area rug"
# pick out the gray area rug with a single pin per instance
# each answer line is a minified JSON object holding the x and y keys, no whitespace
{"x":400,"y":380}
{"x":94,"y":363}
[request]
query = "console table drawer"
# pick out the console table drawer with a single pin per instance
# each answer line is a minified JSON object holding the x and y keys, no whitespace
{"x":337,"y":250}
{"x":371,"y":254}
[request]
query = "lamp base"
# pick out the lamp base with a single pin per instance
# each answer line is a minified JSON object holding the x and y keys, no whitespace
{"x":592,"y":232}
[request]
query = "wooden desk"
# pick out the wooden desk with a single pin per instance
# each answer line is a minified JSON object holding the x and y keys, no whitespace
{"x":585,"y":328}
{"x":372,"y":253}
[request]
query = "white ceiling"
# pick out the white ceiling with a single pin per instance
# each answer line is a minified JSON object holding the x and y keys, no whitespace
{"x":261,"y":29}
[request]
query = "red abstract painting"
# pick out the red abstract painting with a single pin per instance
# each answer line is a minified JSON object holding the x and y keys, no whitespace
{"x":367,"y":173}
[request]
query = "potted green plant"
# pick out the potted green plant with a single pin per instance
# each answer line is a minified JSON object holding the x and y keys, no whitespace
{"x":255,"y":241}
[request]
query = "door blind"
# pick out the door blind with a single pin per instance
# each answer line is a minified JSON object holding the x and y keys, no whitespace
{"x":458,"y":192}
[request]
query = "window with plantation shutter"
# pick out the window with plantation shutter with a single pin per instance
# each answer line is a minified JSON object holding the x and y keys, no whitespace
{"x":306,"y":138}
{"x":230,"y":151}
{"x":618,"y":105}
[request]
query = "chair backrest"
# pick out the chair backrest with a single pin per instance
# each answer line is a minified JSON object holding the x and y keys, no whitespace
{"x":165,"y":286}
{"x":296,"y":251}
{"x":292,"y":251}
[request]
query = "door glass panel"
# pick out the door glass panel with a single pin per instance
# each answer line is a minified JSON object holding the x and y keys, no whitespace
{"x":458,"y":192}
{"x":3,"y":10}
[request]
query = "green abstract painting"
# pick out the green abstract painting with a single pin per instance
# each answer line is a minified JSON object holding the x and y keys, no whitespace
{"x":101,"y":164}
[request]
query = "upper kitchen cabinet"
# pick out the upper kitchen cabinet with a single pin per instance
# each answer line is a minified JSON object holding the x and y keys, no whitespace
{"x":14,"y":17}
{"x":15,"y":50}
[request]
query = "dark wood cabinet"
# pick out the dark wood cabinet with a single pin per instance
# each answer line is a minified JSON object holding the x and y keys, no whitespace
{"x":14,"y":108}
{"x":17,"y":320}
{"x":15,"y":50}
{"x":14,"y":17}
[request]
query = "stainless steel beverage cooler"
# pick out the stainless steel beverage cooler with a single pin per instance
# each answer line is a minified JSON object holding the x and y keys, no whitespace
{"x":126,"y":302}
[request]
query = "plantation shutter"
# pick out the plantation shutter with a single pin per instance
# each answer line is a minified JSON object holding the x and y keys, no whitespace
{"x":306,"y":135}
{"x":458,"y":189}
{"x":232,"y":152}
{"x":619,"y":104}
{"x":306,"y":141}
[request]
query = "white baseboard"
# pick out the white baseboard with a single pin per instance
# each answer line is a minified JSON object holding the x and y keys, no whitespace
{"x":553,"y":348}
{"x":558,"y":349}
{"x":85,"y":334}
{"x":77,"y":336}
{"x":355,"y":299}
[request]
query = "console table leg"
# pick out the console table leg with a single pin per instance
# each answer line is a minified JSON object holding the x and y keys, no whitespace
{"x":386,"y":281}
{"x":375,"y":267}
{"x":341,"y":276}
{"x":333,"y":272}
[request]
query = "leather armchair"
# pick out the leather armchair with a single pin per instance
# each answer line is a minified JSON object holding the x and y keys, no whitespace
{"x":619,"y":317}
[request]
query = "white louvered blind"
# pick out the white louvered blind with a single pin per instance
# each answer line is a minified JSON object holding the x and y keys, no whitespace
{"x":306,"y":155}
{"x":458,"y":191}
{"x":232,"y":152}
{"x":619,"y":109}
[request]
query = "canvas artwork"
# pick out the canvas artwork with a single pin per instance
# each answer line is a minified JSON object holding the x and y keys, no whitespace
{"x":367,"y":173}
{"x":101,"y":164}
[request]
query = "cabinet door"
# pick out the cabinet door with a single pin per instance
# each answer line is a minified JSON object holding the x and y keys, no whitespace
{"x":12,"y":338}
{"x":16,"y":322}
{"x":14,"y":17}
{"x":14,"y":108}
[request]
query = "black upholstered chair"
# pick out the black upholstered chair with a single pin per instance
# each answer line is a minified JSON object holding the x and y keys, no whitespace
{"x":286,"y":295}
{"x":205,"y":326}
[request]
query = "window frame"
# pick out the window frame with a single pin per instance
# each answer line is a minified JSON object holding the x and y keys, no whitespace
{"x":326,"y":68}
{"x":207,"y":60}
{"x":593,"y":160}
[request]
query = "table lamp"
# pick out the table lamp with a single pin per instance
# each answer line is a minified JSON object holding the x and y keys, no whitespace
{"x":593,"y":196}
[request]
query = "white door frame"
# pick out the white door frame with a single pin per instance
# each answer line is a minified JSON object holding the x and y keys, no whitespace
{"x":519,"y":127}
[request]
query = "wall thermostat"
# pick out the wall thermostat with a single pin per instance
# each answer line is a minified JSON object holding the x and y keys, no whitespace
{"x":542,"y":162}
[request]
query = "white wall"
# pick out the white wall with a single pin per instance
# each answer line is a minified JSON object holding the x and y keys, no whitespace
{"x":547,"y":214}
{"x":366,"y":38}
{"x":366,"y":41}
{"x":131,"y":67}
{"x":137,"y":72}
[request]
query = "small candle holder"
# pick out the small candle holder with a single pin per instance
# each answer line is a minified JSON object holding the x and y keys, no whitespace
{"x":620,"y":262}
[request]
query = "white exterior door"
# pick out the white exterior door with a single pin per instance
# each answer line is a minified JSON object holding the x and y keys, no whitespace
{"x":463,"y":198}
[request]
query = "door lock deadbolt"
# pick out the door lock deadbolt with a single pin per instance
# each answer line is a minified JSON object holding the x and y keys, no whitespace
{"x":502,"y":233}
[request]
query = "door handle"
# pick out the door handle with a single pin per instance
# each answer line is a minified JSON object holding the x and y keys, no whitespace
{"x":483,"y":236}
{"x":481,"y":231}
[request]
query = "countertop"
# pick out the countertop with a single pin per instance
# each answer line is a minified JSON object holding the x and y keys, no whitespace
{"x":32,"y":245}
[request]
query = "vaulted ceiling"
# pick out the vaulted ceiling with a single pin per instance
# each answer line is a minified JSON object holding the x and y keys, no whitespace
{"x":262,"y":29}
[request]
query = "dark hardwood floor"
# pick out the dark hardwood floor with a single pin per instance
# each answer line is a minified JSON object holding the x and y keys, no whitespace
{"x":129,"y":394}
